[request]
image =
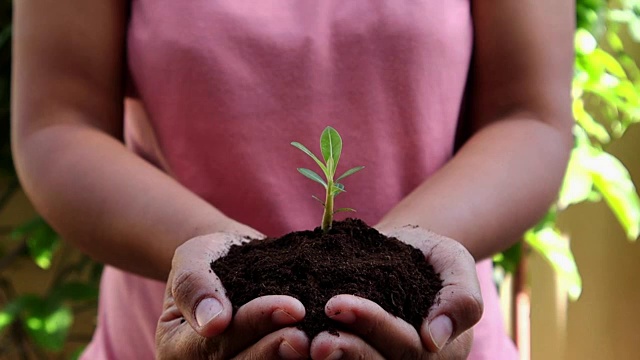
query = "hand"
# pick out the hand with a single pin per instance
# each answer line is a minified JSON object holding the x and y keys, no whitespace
{"x":446,"y":332}
{"x":197,"y":321}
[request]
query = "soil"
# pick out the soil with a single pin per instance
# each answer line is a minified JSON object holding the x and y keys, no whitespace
{"x":352,"y":258}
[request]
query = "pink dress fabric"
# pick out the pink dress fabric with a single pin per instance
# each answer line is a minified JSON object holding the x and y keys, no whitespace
{"x":222,"y":87}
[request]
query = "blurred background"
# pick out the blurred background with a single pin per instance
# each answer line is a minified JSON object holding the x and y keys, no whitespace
{"x":570,"y":288}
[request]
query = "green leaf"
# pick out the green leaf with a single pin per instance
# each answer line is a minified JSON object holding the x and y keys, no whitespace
{"x":42,"y":241}
{"x":24,"y":229}
{"x":614,"y":41}
{"x":634,"y":30}
{"x":350,"y":172}
{"x":42,"y":244}
{"x":577,"y":185}
{"x":609,"y":62}
{"x":621,"y":16}
{"x":76,"y":291}
{"x":9,"y":313}
{"x":331,"y":147}
{"x":613,"y":181}
{"x":585,"y":43}
{"x":49,"y":326}
{"x":313,"y":176}
{"x":344,"y":210}
{"x":13,"y":309}
{"x":337,"y":189}
{"x":509,"y":259}
{"x":308,"y":152}
{"x":586,"y":121}
{"x":318,"y":199}
{"x":554,"y":248}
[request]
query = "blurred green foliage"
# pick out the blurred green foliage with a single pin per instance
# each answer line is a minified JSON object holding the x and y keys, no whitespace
{"x":606,"y":101}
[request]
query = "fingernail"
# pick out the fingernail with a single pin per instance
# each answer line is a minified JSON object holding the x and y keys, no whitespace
{"x":344,"y":316}
{"x":335,"y":355}
{"x":207,"y":310}
{"x":287,"y":351}
{"x":440,"y":330}
{"x":282,"y":317}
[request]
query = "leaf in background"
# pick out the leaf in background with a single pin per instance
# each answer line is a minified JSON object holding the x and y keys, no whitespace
{"x":331,"y":147}
{"x":621,"y":16}
{"x":13,"y":309}
{"x":313,"y":176}
{"x":577,"y":184}
{"x":613,"y":181}
{"x":634,"y":30}
{"x":308,"y":152}
{"x":592,"y":127}
{"x":509,"y":259}
{"x":42,"y":243}
{"x":584,"y":42}
{"x":22,"y":230}
{"x":75,"y":291}
{"x":49,"y":325}
{"x":9,"y":313}
{"x":614,"y":41}
{"x":609,"y":62}
{"x":588,"y":11}
{"x":554,"y":248}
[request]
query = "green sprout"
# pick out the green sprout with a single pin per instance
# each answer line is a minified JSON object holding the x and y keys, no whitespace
{"x":331,"y":147}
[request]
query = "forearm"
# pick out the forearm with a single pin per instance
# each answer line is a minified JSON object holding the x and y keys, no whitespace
{"x":108,"y":202}
{"x":498,"y":185}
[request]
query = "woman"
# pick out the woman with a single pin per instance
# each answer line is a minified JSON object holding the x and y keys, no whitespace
{"x":217,"y":90}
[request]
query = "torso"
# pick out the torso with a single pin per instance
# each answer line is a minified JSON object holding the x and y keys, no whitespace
{"x":226,"y":85}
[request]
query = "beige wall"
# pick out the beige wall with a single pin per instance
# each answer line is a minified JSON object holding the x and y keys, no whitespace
{"x":605,"y":322}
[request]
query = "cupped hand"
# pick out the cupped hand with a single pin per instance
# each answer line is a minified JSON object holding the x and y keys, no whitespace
{"x":446,"y":333}
{"x":197,"y":321}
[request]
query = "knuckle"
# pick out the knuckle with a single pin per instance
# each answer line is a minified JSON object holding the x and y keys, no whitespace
{"x":459,"y":348}
{"x":185,"y":284}
{"x":472,"y":306}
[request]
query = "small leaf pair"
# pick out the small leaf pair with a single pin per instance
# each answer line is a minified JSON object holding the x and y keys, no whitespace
{"x":331,"y":149}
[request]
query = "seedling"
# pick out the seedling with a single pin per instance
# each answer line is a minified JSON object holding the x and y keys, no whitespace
{"x":331,"y":148}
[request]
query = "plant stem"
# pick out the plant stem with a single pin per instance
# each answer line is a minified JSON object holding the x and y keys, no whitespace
{"x":327,"y":217}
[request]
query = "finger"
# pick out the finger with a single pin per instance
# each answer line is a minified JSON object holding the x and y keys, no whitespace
{"x":254,"y":320}
{"x":195,"y":290}
{"x":344,"y":346}
{"x":391,"y":336}
{"x":176,"y":339}
{"x":258,"y":318}
{"x":459,"y":303}
{"x":288,"y":343}
{"x":459,"y":348}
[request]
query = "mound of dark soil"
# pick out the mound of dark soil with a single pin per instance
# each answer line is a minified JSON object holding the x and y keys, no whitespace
{"x":352,"y":258}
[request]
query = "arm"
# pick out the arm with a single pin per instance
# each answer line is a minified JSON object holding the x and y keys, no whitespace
{"x":504,"y":178}
{"x":68,"y":71}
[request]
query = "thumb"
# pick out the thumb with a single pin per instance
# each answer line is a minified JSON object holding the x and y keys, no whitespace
{"x":194,"y":290}
{"x":459,"y":305}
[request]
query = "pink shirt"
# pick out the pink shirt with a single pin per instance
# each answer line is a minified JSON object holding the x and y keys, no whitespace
{"x":228,"y":84}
